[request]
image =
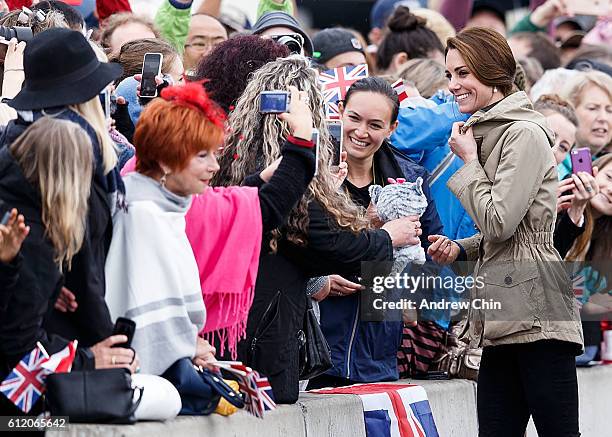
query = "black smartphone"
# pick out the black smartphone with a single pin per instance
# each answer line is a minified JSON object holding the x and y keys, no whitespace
{"x":151,"y":68}
{"x":127,"y":327}
{"x":335,"y":131}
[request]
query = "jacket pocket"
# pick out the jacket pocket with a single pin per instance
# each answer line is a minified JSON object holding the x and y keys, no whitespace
{"x":265,"y":346}
{"x":510,"y":302}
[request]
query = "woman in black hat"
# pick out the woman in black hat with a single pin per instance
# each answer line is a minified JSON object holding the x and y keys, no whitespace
{"x":63,"y":79}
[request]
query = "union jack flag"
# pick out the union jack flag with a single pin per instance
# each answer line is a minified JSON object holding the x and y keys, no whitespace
{"x":402,"y":92}
{"x":258,"y":396}
{"x":25,"y":384}
{"x":335,"y":83}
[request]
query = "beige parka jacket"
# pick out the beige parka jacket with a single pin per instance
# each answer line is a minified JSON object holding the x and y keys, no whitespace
{"x":511,"y":194}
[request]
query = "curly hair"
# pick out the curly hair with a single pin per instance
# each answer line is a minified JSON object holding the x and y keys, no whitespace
{"x":256,"y":139}
{"x":227,"y":68}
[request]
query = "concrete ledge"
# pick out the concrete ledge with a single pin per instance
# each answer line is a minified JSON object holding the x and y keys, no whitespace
{"x":453,"y":404}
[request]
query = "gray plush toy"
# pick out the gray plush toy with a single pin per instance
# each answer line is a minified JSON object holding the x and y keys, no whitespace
{"x":396,"y":200}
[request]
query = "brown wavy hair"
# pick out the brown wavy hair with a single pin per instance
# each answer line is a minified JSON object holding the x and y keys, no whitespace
{"x":256,"y":140}
{"x":487,"y":55}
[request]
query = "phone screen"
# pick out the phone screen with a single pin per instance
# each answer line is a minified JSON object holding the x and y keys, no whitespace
{"x":273,"y":102}
{"x":150,"y":68}
{"x":335,"y":130}
{"x":127,"y":327}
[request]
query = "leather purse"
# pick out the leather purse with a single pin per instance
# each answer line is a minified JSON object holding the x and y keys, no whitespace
{"x":315,"y":354}
{"x":456,"y":357}
{"x":93,"y":396}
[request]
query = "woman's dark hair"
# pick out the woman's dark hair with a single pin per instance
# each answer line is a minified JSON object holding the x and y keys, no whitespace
{"x":487,"y":55}
{"x":376,"y":85}
{"x":227,"y":68}
{"x":407,"y":33}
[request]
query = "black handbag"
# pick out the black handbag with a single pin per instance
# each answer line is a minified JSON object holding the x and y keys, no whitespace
{"x":93,"y":396}
{"x":315,"y":355}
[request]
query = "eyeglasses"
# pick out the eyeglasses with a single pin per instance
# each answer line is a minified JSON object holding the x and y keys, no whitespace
{"x":203,"y":44}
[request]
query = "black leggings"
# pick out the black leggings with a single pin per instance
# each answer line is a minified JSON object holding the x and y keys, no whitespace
{"x":532,"y":379}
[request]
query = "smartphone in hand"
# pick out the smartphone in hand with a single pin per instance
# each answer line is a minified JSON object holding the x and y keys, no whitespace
{"x":582,"y":160}
{"x":127,"y":327}
{"x":274,"y":102}
{"x":151,"y":68}
{"x":336,"y":132}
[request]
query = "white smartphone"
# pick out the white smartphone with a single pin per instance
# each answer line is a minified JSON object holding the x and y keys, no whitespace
{"x":315,"y":140}
{"x":151,"y":67}
{"x":337,"y":133}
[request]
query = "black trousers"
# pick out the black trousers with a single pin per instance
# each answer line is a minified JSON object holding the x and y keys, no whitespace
{"x":536,"y":379}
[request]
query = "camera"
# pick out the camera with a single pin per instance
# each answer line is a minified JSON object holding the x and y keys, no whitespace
{"x":274,"y":102}
{"x":294,"y":42}
{"x":19,"y":32}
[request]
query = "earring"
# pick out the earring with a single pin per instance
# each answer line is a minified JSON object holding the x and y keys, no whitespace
{"x":162,"y":181}
{"x":494,"y":89}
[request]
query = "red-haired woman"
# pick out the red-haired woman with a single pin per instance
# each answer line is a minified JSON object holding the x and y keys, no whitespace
{"x":152,"y":274}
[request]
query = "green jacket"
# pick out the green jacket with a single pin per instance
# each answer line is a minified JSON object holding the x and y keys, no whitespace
{"x":511,"y":193}
{"x":173,"y":22}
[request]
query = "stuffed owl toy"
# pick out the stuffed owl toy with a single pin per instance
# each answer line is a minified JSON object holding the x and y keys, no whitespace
{"x":396,"y":200}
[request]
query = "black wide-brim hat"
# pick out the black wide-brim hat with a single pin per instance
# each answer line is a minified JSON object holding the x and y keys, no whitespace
{"x":62,"y":69}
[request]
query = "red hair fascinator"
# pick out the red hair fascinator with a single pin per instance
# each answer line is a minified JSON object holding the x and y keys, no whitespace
{"x":193,"y":95}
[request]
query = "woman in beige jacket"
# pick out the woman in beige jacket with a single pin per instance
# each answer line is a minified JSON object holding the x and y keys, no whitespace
{"x":530,"y":331}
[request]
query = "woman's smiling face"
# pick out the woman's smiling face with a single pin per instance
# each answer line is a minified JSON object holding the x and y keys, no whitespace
{"x":470,"y":94}
{"x":366,"y":119}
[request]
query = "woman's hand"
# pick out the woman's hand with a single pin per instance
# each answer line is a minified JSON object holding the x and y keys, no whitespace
{"x":463,"y":144}
{"x":299,"y":117}
{"x":340,"y":175}
{"x":66,"y":301}
{"x":404,"y":231}
{"x":564,"y":201}
{"x":109,"y":357}
{"x":545,"y":13}
{"x":205,"y":354}
{"x":443,"y":251}
{"x":338,"y":286}
{"x":585,"y":188}
{"x":11,"y":236}
{"x":13,"y":69}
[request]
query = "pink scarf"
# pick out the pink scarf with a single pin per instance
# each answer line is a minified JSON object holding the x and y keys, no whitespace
{"x":225,"y":230}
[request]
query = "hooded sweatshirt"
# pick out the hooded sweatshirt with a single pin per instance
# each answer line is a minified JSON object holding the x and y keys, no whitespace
{"x":152,"y":276}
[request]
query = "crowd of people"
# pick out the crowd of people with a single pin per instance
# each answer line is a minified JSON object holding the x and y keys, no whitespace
{"x":215,"y":226}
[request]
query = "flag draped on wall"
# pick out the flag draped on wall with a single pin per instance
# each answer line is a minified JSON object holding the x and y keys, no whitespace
{"x":392,"y":410}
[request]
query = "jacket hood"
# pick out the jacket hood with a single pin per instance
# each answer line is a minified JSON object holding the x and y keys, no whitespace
{"x":15,"y":190}
{"x":515,"y":107}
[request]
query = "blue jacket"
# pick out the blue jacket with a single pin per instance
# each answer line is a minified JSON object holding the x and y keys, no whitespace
{"x":367,"y":351}
{"x":422,"y":135}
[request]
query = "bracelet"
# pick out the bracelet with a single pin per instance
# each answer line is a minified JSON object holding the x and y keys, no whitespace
{"x":13,"y":69}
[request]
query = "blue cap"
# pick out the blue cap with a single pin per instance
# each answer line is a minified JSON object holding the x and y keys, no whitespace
{"x":382,"y":10}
